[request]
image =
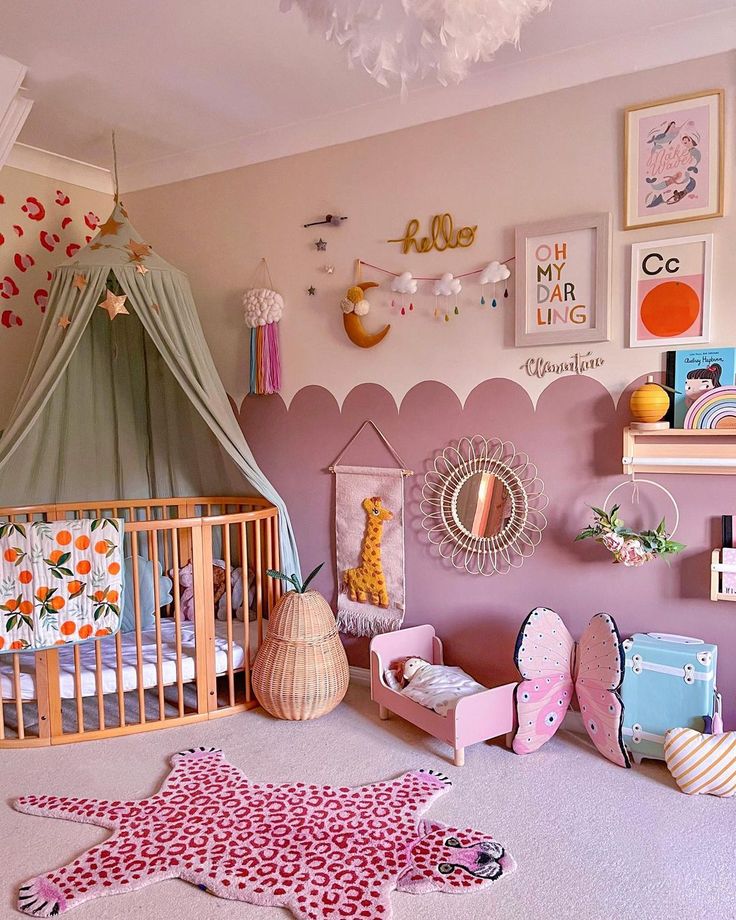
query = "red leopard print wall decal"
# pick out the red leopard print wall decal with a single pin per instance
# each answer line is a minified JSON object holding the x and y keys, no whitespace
{"x":322,"y":852}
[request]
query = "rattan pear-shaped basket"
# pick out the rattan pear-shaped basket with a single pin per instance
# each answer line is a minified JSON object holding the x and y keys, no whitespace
{"x":301,"y":670}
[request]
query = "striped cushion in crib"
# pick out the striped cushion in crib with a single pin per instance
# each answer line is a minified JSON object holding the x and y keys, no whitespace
{"x":702,"y":764}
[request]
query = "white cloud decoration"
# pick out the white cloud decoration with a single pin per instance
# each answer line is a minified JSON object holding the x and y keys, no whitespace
{"x":262,"y":306}
{"x":493,"y":273}
{"x":404,"y":284}
{"x":446,"y":286}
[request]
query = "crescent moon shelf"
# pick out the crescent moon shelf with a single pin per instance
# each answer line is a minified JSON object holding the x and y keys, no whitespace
{"x":354,"y":308}
{"x":714,"y":409}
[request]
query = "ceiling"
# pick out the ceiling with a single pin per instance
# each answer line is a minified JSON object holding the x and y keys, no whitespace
{"x":194,"y":87}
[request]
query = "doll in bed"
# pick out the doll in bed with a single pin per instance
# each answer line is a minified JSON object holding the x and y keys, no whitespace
{"x":436,"y":686}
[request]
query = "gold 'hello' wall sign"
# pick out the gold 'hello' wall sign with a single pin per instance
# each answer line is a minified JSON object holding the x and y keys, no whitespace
{"x":442,"y":235}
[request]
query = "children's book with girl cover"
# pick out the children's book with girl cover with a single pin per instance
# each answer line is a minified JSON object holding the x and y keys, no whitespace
{"x":690,"y":373}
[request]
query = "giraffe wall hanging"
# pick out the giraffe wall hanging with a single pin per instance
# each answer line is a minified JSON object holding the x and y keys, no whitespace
{"x":369,"y":528}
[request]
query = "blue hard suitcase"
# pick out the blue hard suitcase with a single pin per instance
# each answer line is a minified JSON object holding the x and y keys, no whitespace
{"x":669,"y":682}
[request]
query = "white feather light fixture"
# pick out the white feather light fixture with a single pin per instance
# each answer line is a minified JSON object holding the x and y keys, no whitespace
{"x":401,"y":39}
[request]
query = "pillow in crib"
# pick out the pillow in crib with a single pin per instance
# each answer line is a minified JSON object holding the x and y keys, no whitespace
{"x":146,"y":593}
{"x":702,"y":764}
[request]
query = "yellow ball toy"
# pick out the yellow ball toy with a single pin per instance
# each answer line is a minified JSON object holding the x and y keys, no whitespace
{"x":649,"y":404}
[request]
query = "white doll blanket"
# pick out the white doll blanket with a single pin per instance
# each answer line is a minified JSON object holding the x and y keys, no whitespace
{"x":439,"y":687}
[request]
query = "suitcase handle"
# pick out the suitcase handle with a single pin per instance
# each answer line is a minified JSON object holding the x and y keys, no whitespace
{"x":673,"y":637}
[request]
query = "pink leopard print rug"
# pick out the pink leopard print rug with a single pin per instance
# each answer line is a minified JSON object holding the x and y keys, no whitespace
{"x":321,"y":852}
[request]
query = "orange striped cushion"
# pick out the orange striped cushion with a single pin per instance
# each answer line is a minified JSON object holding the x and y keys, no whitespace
{"x":702,"y":764}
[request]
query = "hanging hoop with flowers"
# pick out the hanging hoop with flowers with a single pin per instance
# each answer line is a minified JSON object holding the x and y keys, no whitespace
{"x":629,"y":547}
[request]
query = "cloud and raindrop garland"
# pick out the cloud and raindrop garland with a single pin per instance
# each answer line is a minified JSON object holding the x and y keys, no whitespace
{"x":446,"y":286}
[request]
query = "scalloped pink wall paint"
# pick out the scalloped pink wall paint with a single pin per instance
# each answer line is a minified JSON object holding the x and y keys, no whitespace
{"x":574,"y":437}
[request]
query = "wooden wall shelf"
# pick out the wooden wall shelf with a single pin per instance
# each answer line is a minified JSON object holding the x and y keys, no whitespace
{"x":716,"y":568}
{"x":680,"y":450}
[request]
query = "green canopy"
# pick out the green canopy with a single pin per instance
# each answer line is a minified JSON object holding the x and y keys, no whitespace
{"x":126,"y":405}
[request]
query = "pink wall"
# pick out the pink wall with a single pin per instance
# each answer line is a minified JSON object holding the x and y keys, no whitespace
{"x":574,"y":437}
{"x":533,"y":159}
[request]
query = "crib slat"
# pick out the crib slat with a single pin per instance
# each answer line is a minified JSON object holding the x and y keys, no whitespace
{"x":177,"y":617}
{"x":153,"y":556}
{"x":204,"y":617}
{"x":279,"y":585}
{"x":2,"y":700}
{"x":269,"y":564}
{"x":138,"y":637}
{"x":229,"y":609}
{"x":246,"y":615}
{"x":79,"y":699}
{"x":119,"y":678}
{"x":18,"y":698}
{"x":98,"y":683}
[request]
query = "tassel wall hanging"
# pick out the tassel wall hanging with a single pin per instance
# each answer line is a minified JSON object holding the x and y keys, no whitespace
{"x":263,"y":308}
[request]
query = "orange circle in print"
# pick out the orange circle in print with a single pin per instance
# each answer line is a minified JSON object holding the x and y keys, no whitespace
{"x":82,"y":542}
{"x":84,"y":566}
{"x":669,"y":309}
{"x":63,"y":538}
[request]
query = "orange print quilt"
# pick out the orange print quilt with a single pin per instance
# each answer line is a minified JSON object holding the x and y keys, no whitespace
{"x":60,"y":582}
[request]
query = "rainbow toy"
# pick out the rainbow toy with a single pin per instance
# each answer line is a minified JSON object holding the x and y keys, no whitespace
{"x":714,"y":409}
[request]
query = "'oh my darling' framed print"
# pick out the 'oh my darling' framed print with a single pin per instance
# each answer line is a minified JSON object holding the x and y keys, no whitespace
{"x":563,"y":280}
{"x":673,"y":168}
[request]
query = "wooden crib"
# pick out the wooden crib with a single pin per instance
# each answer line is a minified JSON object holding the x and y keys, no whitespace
{"x":174,"y":672}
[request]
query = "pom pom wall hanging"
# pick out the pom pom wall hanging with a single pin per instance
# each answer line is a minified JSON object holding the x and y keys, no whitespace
{"x":263,"y":308}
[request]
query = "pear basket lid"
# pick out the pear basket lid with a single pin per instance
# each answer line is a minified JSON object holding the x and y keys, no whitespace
{"x":305,"y":616}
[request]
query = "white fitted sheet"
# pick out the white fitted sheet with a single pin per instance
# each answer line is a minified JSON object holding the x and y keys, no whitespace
{"x":87,"y":659}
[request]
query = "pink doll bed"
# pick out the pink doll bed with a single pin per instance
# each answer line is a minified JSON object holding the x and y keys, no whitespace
{"x":479,"y":717}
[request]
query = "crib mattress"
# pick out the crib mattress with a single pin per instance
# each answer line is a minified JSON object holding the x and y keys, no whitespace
{"x":87,"y":660}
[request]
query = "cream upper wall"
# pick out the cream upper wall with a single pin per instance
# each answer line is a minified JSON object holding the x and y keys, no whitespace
{"x":16,"y":186}
{"x":530,"y":160}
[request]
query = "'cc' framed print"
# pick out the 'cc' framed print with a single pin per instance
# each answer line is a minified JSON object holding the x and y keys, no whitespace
{"x":673,"y":168}
{"x":563,"y":280}
{"x":670,"y":291}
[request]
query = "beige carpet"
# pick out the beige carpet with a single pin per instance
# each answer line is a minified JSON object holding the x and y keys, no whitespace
{"x":593,"y":842}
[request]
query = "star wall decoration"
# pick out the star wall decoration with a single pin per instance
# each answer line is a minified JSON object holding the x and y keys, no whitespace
{"x":110,"y":227}
{"x":141,"y":269}
{"x":329,"y":269}
{"x":138,"y":250}
{"x":64,"y":322}
{"x":321,"y":245}
{"x":80,"y":282}
{"x":318,"y":851}
{"x":311,"y":290}
{"x":114,"y":304}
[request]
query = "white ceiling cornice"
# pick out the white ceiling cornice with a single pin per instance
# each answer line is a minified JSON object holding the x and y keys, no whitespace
{"x":642,"y":50}
{"x":65,"y":169}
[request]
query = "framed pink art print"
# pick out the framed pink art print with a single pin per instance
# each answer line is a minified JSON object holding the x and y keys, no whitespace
{"x":673,"y":169}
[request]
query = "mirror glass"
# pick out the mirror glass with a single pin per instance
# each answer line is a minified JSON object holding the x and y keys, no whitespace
{"x":482,"y":506}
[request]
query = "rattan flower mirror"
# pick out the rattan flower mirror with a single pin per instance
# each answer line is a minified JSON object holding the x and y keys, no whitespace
{"x":483,"y":505}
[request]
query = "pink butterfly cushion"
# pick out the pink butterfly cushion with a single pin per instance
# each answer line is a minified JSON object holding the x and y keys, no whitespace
{"x":702,"y":764}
